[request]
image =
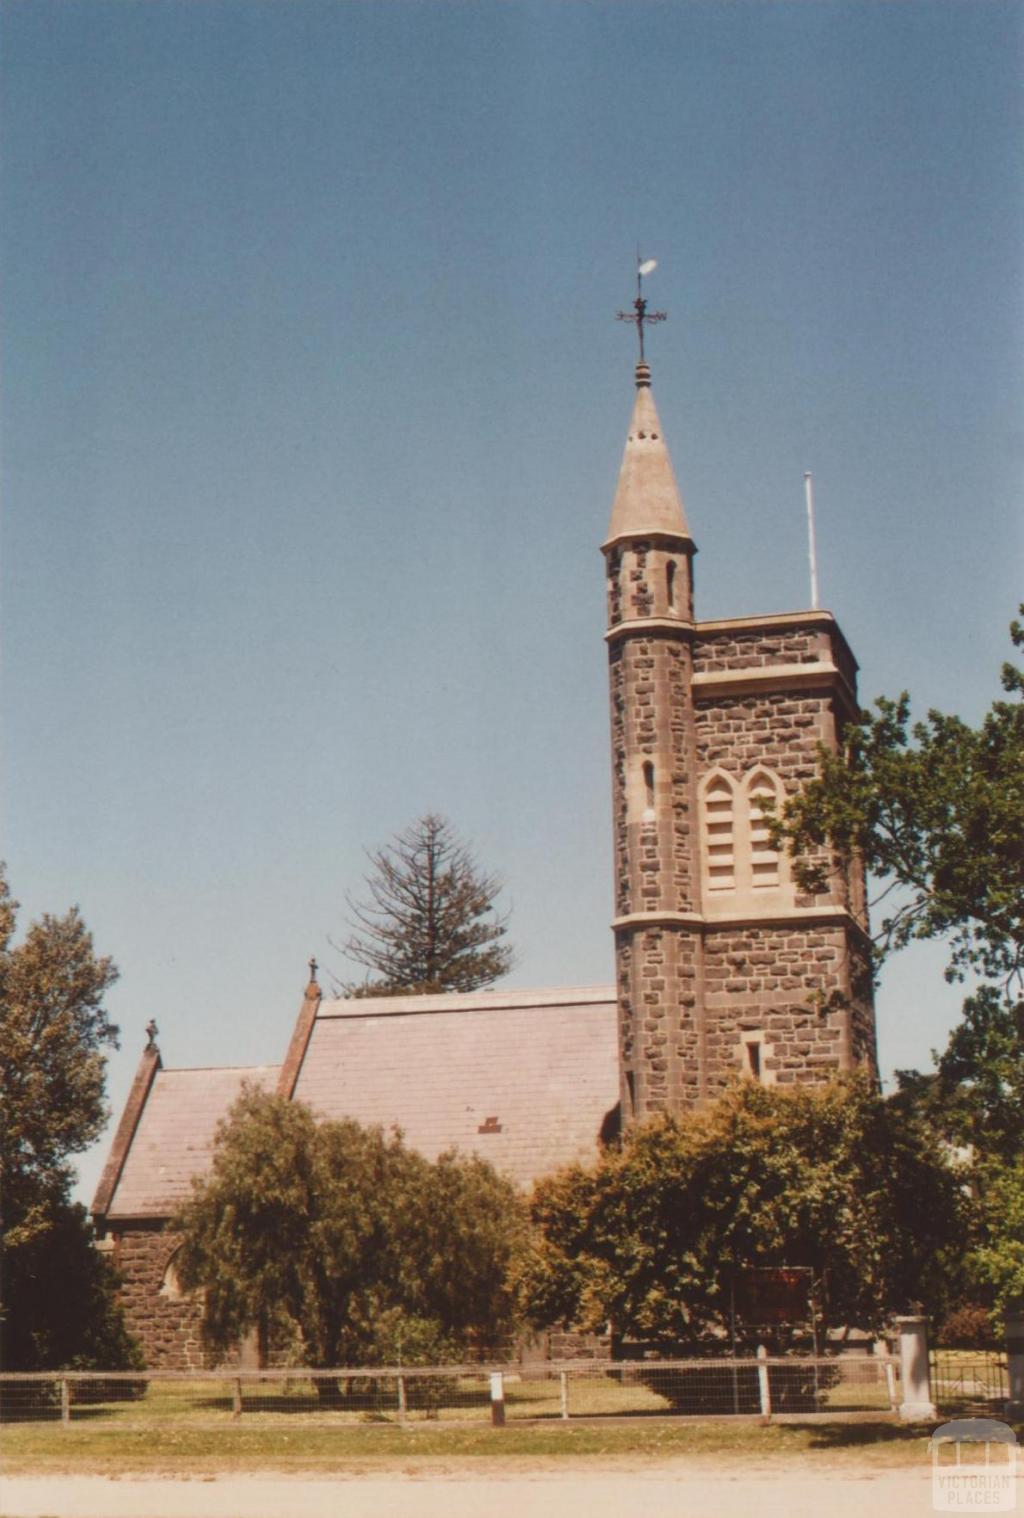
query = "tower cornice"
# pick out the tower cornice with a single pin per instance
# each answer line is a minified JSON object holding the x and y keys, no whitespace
{"x":658,"y":537}
{"x":651,"y":627}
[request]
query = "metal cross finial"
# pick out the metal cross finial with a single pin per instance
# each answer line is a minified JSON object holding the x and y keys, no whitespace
{"x":313,"y":967}
{"x":640,"y":314}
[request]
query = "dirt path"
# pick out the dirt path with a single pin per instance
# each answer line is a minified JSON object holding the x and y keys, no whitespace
{"x":675,"y":1491}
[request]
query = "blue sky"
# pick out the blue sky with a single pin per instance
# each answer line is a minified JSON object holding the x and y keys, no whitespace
{"x":312,"y":408}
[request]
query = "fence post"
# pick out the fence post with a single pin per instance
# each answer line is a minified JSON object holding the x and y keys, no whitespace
{"x":916,"y":1405}
{"x":1015,"y":1358}
{"x":65,"y":1400}
{"x":890,"y":1384}
{"x":497,"y":1399}
{"x":764,"y":1387}
{"x":401,"y":1399}
{"x":563,"y":1386}
{"x":236,"y":1397}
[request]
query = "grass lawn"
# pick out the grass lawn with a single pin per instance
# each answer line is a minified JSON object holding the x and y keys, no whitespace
{"x":256,"y":1445}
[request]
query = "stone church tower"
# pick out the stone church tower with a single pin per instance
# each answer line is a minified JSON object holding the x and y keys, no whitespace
{"x":723,"y":967}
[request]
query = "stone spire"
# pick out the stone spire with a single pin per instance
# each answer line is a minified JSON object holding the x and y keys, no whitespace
{"x":647,"y":500}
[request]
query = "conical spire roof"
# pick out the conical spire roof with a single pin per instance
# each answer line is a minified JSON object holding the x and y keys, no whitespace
{"x":647,"y":499}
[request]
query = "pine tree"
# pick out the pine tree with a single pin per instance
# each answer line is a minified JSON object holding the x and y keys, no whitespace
{"x":428,"y":922}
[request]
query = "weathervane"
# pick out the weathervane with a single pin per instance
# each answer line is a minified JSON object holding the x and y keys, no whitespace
{"x":640,"y":314}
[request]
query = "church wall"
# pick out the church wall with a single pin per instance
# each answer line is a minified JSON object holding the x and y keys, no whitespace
{"x":165,"y":1324}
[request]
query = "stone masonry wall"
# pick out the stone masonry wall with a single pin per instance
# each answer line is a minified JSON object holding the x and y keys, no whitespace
{"x":777,"y":728}
{"x":806,"y":986}
{"x":655,"y":861}
{"x":166,"y":1325}
{"x":769,"y":980}
{"x":660,"y":1021}
{"x":762,"y":647}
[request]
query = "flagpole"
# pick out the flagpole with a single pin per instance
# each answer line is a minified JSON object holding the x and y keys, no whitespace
{"x":811,"y":549}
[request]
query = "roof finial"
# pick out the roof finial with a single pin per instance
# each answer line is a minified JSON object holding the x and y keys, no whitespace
{"x":151,"y":1032}
{"x":313,"y":989}
{"x":640,"y":314}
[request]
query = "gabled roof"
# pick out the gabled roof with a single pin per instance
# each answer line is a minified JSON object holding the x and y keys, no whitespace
{"x":525,"y":1079}
{"x":173,"y":1137}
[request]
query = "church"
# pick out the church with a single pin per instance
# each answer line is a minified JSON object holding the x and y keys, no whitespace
{"x":724,"y":968}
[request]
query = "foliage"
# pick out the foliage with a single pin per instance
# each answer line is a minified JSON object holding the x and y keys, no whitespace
{"x":968,"y":1325}
{"x":935,"y":811}
{"x":64,"y":1311}
{"x":832,"y":1178}
{"x":58,"y":1303}
{"x":339,"y":1233}
{"x":53,"y":1031}
{"x":996,"y":1264}
{"x":429,"y":923}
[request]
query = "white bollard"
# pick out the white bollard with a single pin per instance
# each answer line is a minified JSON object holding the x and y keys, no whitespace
{"x":497,"y":1399}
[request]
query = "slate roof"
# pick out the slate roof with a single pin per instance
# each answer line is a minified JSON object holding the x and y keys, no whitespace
{"x":173,"y":1138}
{"x":525,"y":1079}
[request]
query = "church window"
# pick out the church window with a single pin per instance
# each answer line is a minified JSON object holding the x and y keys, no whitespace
{"x":752,"y":1058}
{"x":764,"y":858}
{"x":648,"y":790}
{"x":670,"y":584}
{"x":719,"y":824}
{"x":170,"y":1286}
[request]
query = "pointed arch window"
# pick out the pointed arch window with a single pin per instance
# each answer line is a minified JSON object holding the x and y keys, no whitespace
{"x":670,"y":584}
{"x":720,"y":833}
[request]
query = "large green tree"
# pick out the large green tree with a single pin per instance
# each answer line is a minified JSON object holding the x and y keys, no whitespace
{"x":428,"y":922}
{"x":655,"y":1235}
{"x":936,"y":810}
{"x":346,"y":1242}
{"x":54,"y":1034}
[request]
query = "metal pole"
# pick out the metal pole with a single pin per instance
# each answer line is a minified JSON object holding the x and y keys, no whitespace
{"x":812,"y":552}
{"x":65,"y":1400}
{"x":401,"y":1399}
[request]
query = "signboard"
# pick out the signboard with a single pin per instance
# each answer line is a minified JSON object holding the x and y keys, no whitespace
{"x":774,"y":1295}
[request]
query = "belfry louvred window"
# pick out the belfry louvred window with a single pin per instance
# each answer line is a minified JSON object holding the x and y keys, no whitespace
{"x":720,"y":830}
{"x":762,"y":794}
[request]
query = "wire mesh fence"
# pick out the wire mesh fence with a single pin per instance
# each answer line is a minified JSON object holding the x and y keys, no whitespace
{"x":468,"y":1393}
{"x":970,"y":1380}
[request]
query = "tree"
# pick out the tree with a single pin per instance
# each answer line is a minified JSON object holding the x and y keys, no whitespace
{"x":830,"y":1178}
{"x":429,"y":923}
{"x":345,"y":1242}
{"x":54,"y":1032}
{"x":935,"y":810}
{"x":63,"y":1302}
